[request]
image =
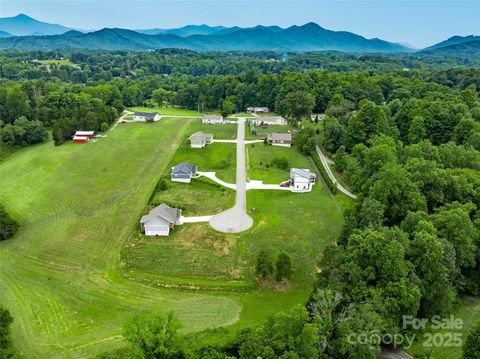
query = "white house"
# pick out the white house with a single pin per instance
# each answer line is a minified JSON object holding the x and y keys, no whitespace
{"x":146,"y":116}
{"x":160,"y":220}
{"x":258,"y":110}
{"x":213,"y":120}
{"x":301,"y":179}
{"x":270,"y":121}
{"x":200,"y":139}
{"x":183,"y":172}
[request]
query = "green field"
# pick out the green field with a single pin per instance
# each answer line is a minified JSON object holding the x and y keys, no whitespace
{"x":261,"y":156}
{"x":215,"y":157}
{"x":172,"y":111}
{"x":66,"y":275}
{"x":468,"y":311}
{"x":65,"y":62}
{"x":77,"y":205}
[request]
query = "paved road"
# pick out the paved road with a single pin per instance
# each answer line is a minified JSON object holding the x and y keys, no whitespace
{"x":324,"y":161}
{"x":236,"y":219}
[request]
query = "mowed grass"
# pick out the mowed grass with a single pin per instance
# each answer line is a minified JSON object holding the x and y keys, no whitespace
{"x":172,"y":111}
{"x":77,"y":205}
{"x":301,"y":224}
{"x":261,"y":159}
{"x":261,"y":132}
{"x":215,"y":157}
{"x":197,"y":198}
{"x":468,"y":311}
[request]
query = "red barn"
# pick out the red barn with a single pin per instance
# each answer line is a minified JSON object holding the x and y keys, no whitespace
{"x":89,"y":134}
{"x":80,"y":139}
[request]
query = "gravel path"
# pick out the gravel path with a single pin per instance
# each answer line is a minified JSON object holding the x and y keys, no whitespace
{"x":236,"y":219}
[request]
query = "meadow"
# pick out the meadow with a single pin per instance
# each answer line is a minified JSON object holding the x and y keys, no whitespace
{"x":72,"y":278}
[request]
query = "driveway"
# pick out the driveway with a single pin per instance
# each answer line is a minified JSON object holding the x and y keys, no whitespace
{"x":236,"y":219}
{"x":325,"y":162}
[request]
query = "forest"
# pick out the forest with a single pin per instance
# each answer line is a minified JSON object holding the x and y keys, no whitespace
{"x":404,"y":133}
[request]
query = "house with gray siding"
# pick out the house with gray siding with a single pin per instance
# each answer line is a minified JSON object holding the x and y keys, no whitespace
{"x":200,"y":139}
{"x":183,"y":172}
{"x":160,"y":220}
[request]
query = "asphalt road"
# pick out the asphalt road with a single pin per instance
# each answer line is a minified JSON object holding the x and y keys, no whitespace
{"x":236,"y":219}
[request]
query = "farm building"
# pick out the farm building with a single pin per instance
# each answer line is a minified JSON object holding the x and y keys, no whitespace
{"x":89,"y":134}
{"x":271,"y":121}
{"x":146,"y":116}
{"x":301,"y":179}
{"x":258,"y":110}
{"x":213,"y":120}
{"x":80,"y":139}
{"x":160,"y":220}
{"x":183,"y":172}
{"x":279,"y":139}
{"x":200,"y":139}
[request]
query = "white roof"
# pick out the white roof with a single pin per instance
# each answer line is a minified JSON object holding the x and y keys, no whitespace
{"x":80,"y":137}
{"x":84,"y":133}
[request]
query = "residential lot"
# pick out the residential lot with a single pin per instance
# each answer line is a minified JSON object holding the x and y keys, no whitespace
{"x":80,"y":250}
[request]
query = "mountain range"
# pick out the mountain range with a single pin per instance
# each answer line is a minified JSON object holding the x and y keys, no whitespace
{"x":23,"y":25}
{"x":25,"y":33}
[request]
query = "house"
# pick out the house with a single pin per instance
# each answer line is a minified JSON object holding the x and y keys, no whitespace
{"x":89,"y":134}
{"x":200,"y":139}
{"x":183,"y":172}
{"x":301,"y":179}
{"x":270,"y":121}
{"x":146,"y":116}
{"x":80,"y":139}
{"x":160,"y":220}
{"x":258,"y":110}
{"x":279,"y":139}
{"x":213,"y":120}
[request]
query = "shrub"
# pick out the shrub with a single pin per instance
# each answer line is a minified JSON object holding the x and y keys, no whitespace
{"x":8,"y":226}
{"x":280,"y":162}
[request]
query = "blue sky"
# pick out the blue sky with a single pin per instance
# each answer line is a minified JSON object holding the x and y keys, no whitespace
{"x":420,"y":23}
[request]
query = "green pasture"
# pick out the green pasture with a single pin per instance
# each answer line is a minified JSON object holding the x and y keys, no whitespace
{"x":78,"y":268}
{"x":261,"y":165}
{"x":172,"y":111}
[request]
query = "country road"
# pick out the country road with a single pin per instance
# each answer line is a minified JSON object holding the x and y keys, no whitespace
{"x":324,"y":161}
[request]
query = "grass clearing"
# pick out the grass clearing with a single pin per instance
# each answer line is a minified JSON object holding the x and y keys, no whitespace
{"x":261,"y":157}
{"x":77,"y":205}
{"x":468,"y":311}
{"x":167,"y":111}
{"x":78,"y":270}
{"x":215,"y":157}
{"x":198,"y":198}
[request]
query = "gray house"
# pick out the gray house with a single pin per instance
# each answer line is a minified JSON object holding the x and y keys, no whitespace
{"x":183,"y":172}
{"x":279,"y":139}
{"x":200,"y":139}
{"x":213,"y":119}
{"x":160,"y":220}
{"x":258,"y":110}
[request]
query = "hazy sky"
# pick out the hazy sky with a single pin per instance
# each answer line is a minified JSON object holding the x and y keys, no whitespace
{"x":420,"y":23}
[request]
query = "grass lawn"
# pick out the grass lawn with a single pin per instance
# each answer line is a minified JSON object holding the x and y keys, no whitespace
{"x":65,"y":62}
{"x":198,"y":198}
{"x":260,"y":158}
{"x":242,"y":114}
{"x":78,"y":205}
{"x":468,"y":311}
{"x":172,"y":111}
{"x":78,"y":268}
{"x":263,"y":131}
{"x":215,"y":157}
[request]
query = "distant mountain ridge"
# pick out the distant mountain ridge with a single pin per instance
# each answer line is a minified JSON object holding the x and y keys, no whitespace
{"x":463,"y":49}
{"x":23,"y":25}
{"x":454,"y":40}
{"x":308,"y":37}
